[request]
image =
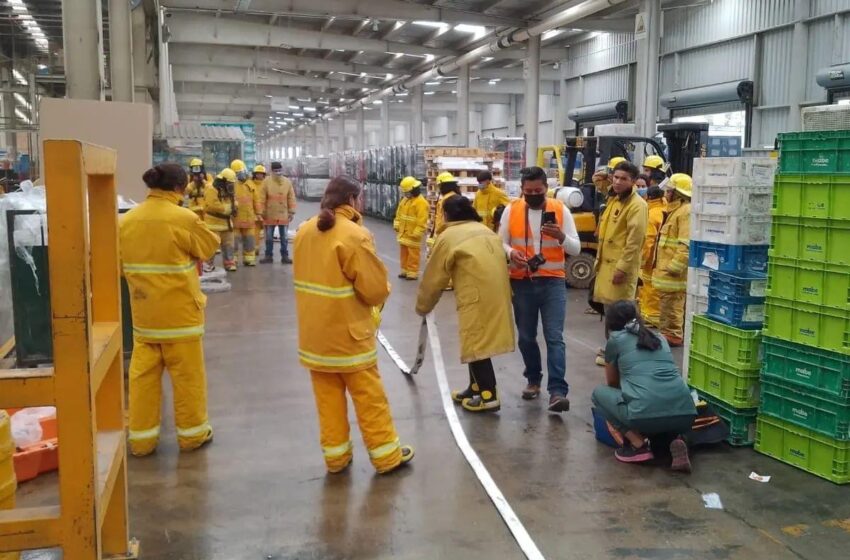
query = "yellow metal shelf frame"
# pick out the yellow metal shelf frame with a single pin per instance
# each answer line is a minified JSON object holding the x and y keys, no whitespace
{"x":86,"y":382}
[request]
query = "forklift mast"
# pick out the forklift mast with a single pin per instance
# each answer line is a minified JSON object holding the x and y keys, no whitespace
{"x":685,"y":141}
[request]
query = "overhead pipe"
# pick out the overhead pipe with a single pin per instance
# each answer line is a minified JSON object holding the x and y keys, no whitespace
{"x":506,"y":41}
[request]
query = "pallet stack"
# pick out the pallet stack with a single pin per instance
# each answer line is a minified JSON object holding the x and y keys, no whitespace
{"x":805,"y":400}
{"x":465,"y":164}
{"x":730,"y":231}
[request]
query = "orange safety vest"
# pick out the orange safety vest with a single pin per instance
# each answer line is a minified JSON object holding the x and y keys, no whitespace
{"x":522,"y":240}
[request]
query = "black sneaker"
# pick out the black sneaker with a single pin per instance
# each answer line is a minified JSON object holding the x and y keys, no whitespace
{"x":628,"y":454}
{"x":266,"y":260}
{"x":285,"y":260}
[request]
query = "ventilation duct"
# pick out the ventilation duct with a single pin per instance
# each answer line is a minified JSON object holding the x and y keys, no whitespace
{"x":615,"y":110}
{"x":835,"y":80}
{"x":741,"y":92}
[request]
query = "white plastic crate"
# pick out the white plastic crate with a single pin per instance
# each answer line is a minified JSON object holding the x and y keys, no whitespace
{"x":731,"y":230}
{"x":698,"y":279}
{"x":732,"y":200}
{"x":734,"y":172}
{"x":695,"y":304}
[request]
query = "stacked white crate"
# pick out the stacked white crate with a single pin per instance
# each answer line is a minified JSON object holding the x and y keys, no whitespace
{"x":731,"y":204}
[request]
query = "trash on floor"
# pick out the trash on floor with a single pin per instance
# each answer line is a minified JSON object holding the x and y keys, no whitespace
{"x":760,"y":478}
{"x":712,"y":501}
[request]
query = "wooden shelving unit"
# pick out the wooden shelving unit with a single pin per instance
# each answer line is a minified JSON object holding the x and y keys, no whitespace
{"x":86,"y":382}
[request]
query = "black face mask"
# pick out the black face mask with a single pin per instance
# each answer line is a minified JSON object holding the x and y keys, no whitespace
{"x":416,"y":191}
{"x":535,"y":200}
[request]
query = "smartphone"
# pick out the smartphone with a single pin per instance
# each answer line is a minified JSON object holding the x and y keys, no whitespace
{"x":549,"y":218}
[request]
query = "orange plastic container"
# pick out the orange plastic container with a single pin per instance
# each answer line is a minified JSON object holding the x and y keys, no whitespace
{"x":40,"y":457}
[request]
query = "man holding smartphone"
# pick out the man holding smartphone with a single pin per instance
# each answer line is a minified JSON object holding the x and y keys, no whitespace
{"x":536,"y":232}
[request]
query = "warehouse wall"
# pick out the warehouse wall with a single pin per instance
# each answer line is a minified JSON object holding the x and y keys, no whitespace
{"x":722,"y":41}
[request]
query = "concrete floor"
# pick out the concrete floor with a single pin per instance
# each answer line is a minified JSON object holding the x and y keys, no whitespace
{"x":260,"y":491}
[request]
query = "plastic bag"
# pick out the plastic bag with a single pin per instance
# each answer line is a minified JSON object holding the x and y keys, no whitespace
{"x":26,"y":425}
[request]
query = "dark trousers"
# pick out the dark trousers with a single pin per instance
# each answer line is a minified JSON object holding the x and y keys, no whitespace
{"x":482,"y":373}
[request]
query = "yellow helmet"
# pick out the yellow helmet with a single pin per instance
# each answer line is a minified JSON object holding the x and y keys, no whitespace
{"x":681,"y":183}
{"x":259,"y":169}
{"x":237,"y":165}
{"x":195,"y":162}
{"x":654,"y":162}
{"x":615,"y":161}
{"x":228,"y":175}
{"x":409,"y":183}
{"x":445,"y":177}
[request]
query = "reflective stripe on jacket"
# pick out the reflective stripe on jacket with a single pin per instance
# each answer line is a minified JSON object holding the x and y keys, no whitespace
{"x":522,"y":241}
{"x":411,"y":220}
{"x":160,"y":242}
{"x":338,"y":279}
{"x":671,"y":252}
{"x":487,"y":200}
{"x":277,"y":200}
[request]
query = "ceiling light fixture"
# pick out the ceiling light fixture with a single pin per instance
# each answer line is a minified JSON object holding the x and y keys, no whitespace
{"x":550,"y":34}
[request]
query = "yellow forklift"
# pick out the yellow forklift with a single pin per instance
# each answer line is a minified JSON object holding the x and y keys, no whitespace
{"x":574,"y":164}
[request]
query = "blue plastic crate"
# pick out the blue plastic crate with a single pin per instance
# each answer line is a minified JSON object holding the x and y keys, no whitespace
{"x":743,"y":312}
{"x":728,"y":258}
{"x":740,"y":284}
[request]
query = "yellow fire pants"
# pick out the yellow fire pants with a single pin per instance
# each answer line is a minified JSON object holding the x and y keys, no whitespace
{"x":671,"y":320}
{"x":649,"y":302}
{"x":410,"y":257}
{"x":246,"y":238}
{"x":373,"y":416}
{"x":185,"y":364}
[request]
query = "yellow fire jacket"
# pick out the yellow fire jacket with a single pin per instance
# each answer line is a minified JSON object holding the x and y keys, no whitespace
{"x":655,"y":219}
{"x":487,"y":200}
{"x":671,"y":252}
{"x":411,"y":220}
{"x":621,"y":235}
{"x":160,"y":243}
{"x":338,"y":279}
{"x":247,"y":205}
{"x":278,"y":201}
{"x":218,"y":210}
{"x":195,"y":195}
{"x":472,"y":256}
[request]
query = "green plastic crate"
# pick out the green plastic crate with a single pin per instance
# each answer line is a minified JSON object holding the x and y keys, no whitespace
{"x":734,"y":386}
{"x":810,"y":239}
{"x":812,"y":196}
{"x":804,"y":449}
{"x":790,"y":402}
{"x":817,"y":370}
{"x":809,"y":282}
{"x":814,"y":152}
{"x":741,"y":421}
{"x":826,"y":328}
{"x":737,"y":347}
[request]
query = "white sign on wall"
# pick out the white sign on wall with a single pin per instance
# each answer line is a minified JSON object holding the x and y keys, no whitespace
{"x":640,"y":26}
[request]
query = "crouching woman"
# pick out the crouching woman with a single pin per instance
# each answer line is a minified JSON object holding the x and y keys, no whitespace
{"x":644,"y":394}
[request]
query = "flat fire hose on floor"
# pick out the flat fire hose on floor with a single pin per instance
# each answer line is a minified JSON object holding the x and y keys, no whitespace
{"x":427,"y":332}
{"x":420,"y":351}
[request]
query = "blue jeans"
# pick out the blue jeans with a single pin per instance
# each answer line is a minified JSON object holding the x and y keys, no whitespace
{"x":284,"y":247}
{"x":546,"y":298}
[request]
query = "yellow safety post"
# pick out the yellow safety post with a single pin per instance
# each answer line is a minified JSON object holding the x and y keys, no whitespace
{"x":86,"y":382}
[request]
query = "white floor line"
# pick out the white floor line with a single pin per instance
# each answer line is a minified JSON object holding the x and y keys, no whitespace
{"x":510,"y":518}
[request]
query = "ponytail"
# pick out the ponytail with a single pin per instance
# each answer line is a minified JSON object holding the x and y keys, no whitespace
{"x":623,"y":316}
{"x":327,"y":219}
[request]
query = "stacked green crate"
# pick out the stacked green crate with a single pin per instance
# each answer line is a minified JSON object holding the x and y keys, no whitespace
{"x":724,"y":369}
{"x":804,"y":417}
